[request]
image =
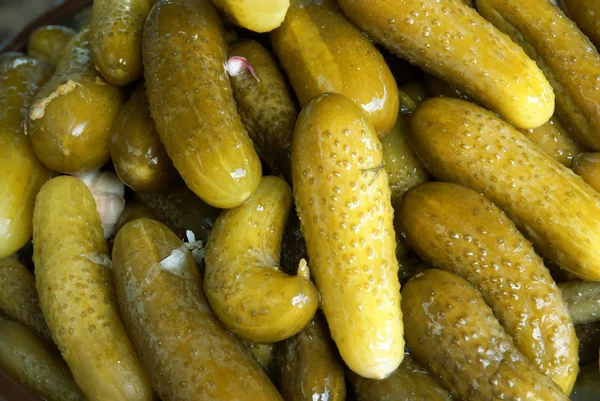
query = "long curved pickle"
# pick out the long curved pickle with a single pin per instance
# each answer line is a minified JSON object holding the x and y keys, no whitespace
{"x":116,"y":38}
{"x":343,"y":201}
{"x":256,"y":15}
{"x":583,"y":300}
{"x":586,"y":13}
{"x":192,"y":104}
{"x":266,"y":105}
{"x":19,"y":299}
{"x":321,"y":51}
{"x":458,"y":229}
{"x":77,"y":297}
{"x":188,"y":353}
{"x":455,"y":335}
{"x":48,"y":42}
{"x":566,"y":56}
{"x":21,"y":173}
{"x":242,"y":278}
{"x":587,"y":166}
{"x":139,"y":157}
{"x":450,"y":40}
{"x":70,"y":120}
{"x":34,"y":365}
{"x":466,"y":144}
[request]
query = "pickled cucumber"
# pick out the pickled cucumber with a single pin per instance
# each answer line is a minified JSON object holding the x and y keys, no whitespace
{"x":466,"y":144}
{"x":451,"y":41}
{"x":139,"y":156}
{"x":266,"y":105}
{"x":567,"y":58}
{"x":77,"y":297}
{"x":321,"y":51}
{"x":455,"y":335}
{"x":134,"y":210}
{"x":343,"y":201}
{"x":255,"y":15}
{"x":264,"y":355}
{"x":583,"y":300}
{"x":459,"y":230}
{"x":192,"y":105}
{"x":187,"y":352}
{"x":48,"y":42}
{"x":586,"y":13}
{"x":242,"y":279}
{"x":19,"y":299}
{"x":69,"y":123}
{"x":587,"y":166}
{"x":21,"y":173}
{"x":439,"y":88}
{"x":34,"y":365}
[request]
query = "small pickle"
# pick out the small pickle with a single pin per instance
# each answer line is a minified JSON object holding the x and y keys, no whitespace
{"x":586,"y":13}
{"x":411,"y":95}
{"x":139,"y":156}
{"x":74,"y":283}
{"x":410,"y":382}
{"x":242,"y":278}
{"x":34,"y":365}
{"x":583,"y":300}
{"x":256,"y":15}
{"x":463,"y":143}
{"x":19,"y":299}
{"x":456,"y":336}
{"x":343,"y":201}
{"x":458,"y":229}
{"x":48,"y":42}
{"x":134,"y":210}
{"x":321,"y":51}
{"x":310,"y":367}
{"x":587,"y":166}
{"x":21,"y":173}
{"x":264,"y":355}
{"x":192,"y":103}
{"x":116,"y":38}
{"x":187,"y":352}
{"x":452,"y":41}
{"x":589,"y":341}
{"x":266,"y":105}
{"x":567,"y":58}
{"x":69,"y":123}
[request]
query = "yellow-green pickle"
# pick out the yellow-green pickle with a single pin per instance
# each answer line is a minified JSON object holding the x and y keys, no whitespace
{"x":455,"y":335}
{"x":583,"y":300}
{"x":192,"y":103}
{"x":310,"y":367}
{"x":139,"y":157}
{"x":410,"y":382}
{"x":242,"y":279}
{"x":437,"y":87}
{"x":266,"y":106}
{"x":70,"y":120}
{"x":264,"y":355}
{"x":48,"y":42}
{"x":21,"y":173}
{"x":411,"y":95}
{"x":188,"y":353}
{"x":459,"y":230}
{"x":256,"y":15}
{"x":452,"y":41}
{"x":134,"y":210}
{"x":463,"y":143}
{"x":116,"y":38}
{"x":34,"y":365}
{"x":74,"y":283}
{"x":321,"y":51}
{"x":19,"y":299}
{"x":343,"y":201}
{"x":587,"y":166}
{"x":586,"y":13}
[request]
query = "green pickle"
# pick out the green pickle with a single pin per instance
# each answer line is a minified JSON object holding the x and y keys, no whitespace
{"x":48,"y":42}
{"x":587,"y":166}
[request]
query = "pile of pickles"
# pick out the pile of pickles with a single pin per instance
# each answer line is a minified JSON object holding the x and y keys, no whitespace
{"x":221,"y":200}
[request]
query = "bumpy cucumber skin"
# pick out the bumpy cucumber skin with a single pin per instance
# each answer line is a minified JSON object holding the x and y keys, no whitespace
{"x":266,"y":105}
{"x":586,"y":13}
{"x":187,"y":352}
{"x":34,"y":365}
{"x":456,"y":336}
{"x":587,"y":166}
{"x":77,"y":296}
{"x":553,"y":207}
{"x":242,"y":278}
{"x":70,"y":120}
{"x":343,"y":201}
{"x":192,"y":104}
{"x":459,"y":230}
{"x":48,"y":42}
{"x":256,"y":15}
{"x":139,"y":156}
{"x":568,"y":59}
{"x":21,"y":173}
{"x":116,"y":38}
{"x":19,"y":298}
{"x":321,"y":51}
{"x":583,"y":300}
{"x":452,"y":41}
